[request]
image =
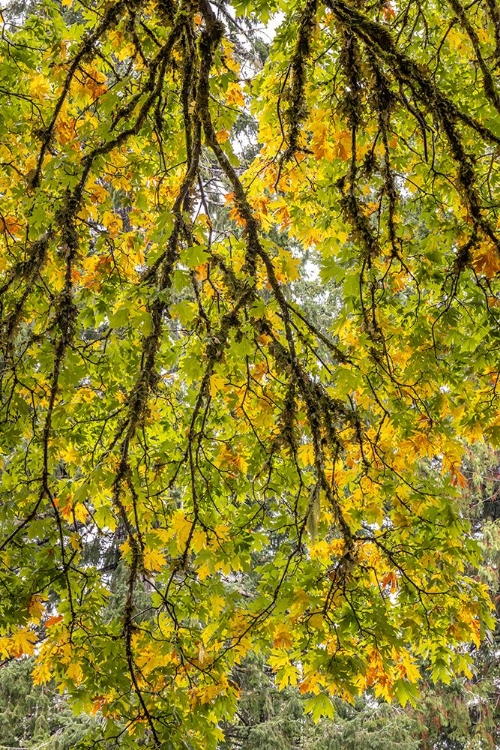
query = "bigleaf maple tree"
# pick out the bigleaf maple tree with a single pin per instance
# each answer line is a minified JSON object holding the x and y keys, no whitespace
{"x":269,"y":482}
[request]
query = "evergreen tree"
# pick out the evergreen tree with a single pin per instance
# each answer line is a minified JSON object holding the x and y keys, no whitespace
{"x":33,"y":716}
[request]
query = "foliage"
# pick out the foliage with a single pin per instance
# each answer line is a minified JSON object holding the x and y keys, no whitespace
{"x":463,"y":715}
{"x":168,"y":402}
{"x":270,"y":718}
{"x":466,"y":713}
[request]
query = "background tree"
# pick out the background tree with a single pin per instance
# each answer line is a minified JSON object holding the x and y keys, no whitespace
{"x":36,"y":715}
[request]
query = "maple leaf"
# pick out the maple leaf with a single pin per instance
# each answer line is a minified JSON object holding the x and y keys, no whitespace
{"x":306,"y":454}
{"x":42,"y":673}
{"x":53,"y":620}
{"x":234,"y":95}
{"x":154,"y":560}
{"x":23,"y":641}
{"x":487,"y":260}
{"x":39,"y":86}
{"x":36,"y":606}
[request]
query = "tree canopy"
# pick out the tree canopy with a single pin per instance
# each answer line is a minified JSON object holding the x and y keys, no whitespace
{"x":266,"y":478}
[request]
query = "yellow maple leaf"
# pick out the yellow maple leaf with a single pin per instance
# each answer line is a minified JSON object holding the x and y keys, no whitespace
{"x":234,"y":95}
{"x":80,"y":511}
{"x":411,"y":671}
{"x":316,"y":621}
{"x":305,"y":454}
{"x":342,"y":147}
{"x":287,"y":676}
{"x":288,"y":267}
{"x":41,"y":673}
{"x":74,"y":672}
{"x":217,"y":383}
{"x":70,"y":454}
{"x":112,"y":222}
{"x":228,"y":49}
{"x":39,"y":87}
{"x":154,"y":560}
{"x":124,"y":51}
{"x":300,"y":603}
{"x":36,"y":607}
{"x":311,"y":683}
{"x":282,"y":636}
{"x":23,"y":642}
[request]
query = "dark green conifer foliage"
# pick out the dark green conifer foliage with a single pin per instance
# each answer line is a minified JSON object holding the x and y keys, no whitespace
{"x":33,"y":715}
